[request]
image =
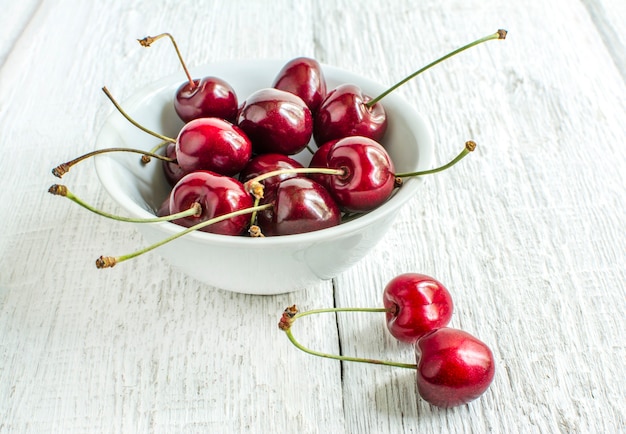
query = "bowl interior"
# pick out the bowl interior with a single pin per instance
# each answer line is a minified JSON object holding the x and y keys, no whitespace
{"x":140,"y":189}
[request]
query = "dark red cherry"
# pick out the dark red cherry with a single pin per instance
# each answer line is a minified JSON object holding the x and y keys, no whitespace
{"x":276,"y":121}
{"x":304,"y":77}
{"x":417,"y":304}
{"x":205,"y":98}
{"x":266,"y":163}
{"x":344,"y":113}
{"x":173,"y":172}
{"x":300,"y":205}
{"x":453,"y":367}
{"x":319,"y":159}
{"x":212,"y":144}
{"x":368,"y":178}
{"x":217,"y":195}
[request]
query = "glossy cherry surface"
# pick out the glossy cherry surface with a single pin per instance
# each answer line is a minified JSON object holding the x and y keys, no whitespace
{"x":212,"y":144}
{"x":453,"y":367}
{"x":276,"y":121}
{"x":369,"y":176}
{"x":304,"y":77}
{"x":266,"y":163}
{"x":300,"y":205}
{"x":217,"y":195}
{"x":344,"y":113}
{"x":205,"y":98}
{"x":418,"y":305}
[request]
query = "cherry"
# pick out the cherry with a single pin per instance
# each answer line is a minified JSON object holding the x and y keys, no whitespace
{"x":347,"y":111}
{"x":276,"y":121}
{"x":319,"y":159}
{"x":217,"y":195}
{"x":171,"y":169}
{"x":212,"y":144}
{"x":453,"y":367}
{"x":344,"y":112}
{"x":299,"y":205}
{"x":200,"y":98}
{"x":416,"y":304}
{"x":265,"y":163}
{"x":368,"y":173}
{"x":304,"y":77}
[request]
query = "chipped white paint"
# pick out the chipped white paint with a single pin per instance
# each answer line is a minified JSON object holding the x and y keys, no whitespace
{"x":527,"y":233}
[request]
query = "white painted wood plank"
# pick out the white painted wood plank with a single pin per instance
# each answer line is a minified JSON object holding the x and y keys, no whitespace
{"x":527,"y":233}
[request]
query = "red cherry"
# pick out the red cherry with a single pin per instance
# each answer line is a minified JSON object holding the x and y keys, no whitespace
{"x":303,"y":76}
{"x":453,"y":367}
{"x":418,"y":304}
{"x":300,"y":205}
{"x":276,"y":121}
{"x":266,"y":163}
{"x":217,"y":195}
{"x":205,"y":98}
{"x":173,"y":172}
{"x":212,"y":144}
{"x":368,"y":178}
{"x":344,"y":113}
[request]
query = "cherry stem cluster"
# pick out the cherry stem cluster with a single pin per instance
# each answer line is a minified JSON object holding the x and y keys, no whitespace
{"x":500,"y":34}
{"x":111,"y":261}
{"x":148,"y":40}
{"x":291,"y":314}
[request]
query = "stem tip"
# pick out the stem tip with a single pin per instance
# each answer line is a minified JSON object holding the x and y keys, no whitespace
{"x":58,"y":190}
{"x":105,"y":262}
{"x":470,"y":145}
{"x":502,"y":34}
{"x":287,"y":318}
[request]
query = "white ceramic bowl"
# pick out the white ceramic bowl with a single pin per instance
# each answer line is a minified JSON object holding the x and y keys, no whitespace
{"x":268,"y":265}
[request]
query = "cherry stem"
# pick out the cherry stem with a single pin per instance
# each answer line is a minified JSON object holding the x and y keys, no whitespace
{"x":148,"y":40}
{"x":132,"y":121}
{"x":63,"y":168}
{"x":111,"y":261}
{"x":469,"y":147}
{"x":62,"y":190}
{"x":291,"y":314}
{"x":145,"y":159}
{"x":254,"y":186}
{"x":500,"y":34}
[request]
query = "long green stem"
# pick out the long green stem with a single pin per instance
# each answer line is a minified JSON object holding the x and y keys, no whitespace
{"x":291,"y":314}
{"x":145,"y":159}
{"x":111,"y":261}
{"x":132,"y":121}
{"x":63,"y":168}
{"x":254,"y":186}
{"x":61,"y":190}
{"x":469,"y":147}
{"x":500,"y":34}
{"x":148,"y":40}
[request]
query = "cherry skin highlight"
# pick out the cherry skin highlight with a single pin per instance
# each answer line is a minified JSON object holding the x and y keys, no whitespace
{"x":276,"y":121}
{"x":344,"y":113}
{"x":206,"y":98}
{"x":217,"y":195}
{"x":212,"y":144}
{"x":300,"y":205}
{"x":304,"y":77}
{"x":369,"y":174}
{"x":418,"y":304}
{"x":453,"y":367}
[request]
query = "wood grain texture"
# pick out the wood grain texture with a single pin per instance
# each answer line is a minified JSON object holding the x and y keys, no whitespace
{"x":527,"y":233}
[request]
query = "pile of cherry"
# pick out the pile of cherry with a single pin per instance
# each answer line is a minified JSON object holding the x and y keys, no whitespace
{"x":453,"y":367}
{"x":231,"y":168}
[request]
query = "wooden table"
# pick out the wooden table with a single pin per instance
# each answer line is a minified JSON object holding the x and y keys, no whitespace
{"x":528,"y":233}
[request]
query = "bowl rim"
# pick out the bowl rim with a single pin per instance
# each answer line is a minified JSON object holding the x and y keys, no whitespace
{"x":399,"y":197}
